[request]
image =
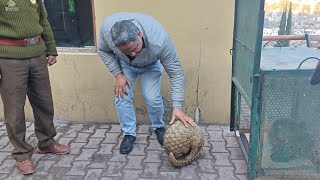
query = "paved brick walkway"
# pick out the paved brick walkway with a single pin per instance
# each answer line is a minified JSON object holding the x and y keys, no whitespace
{"x":95,"y":155}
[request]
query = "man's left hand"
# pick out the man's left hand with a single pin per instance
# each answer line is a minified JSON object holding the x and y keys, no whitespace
{"x":179,"y":114}
{"x":51,"y":60}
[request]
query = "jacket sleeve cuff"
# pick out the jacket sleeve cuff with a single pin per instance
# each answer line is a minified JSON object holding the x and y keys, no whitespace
{"x":116,"y":71}
{"x":178,"y":104}
{"x":52,"y":53}
{"x":51,"y":49}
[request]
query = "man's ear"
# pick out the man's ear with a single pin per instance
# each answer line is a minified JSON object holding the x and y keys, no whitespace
{"x":140,"y":34}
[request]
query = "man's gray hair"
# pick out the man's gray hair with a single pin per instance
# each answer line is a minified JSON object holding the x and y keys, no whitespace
{"x":123,"y":32}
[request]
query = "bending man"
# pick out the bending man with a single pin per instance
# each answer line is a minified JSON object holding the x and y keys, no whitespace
{"x":133,"y":44}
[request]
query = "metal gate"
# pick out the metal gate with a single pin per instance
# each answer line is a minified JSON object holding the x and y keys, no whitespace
{"x":283,"y":106}
{"x":246,"y":52}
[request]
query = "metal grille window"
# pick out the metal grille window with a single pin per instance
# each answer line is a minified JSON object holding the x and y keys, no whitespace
{"x":71,"y":22}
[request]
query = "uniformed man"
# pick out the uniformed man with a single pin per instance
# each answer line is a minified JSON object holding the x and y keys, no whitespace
{"x":26,"y":48}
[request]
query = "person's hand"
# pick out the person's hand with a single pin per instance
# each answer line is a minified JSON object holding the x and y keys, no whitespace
{"x":120,"y":85}
{"x":51,"y":60}
{"x":179,"y":114}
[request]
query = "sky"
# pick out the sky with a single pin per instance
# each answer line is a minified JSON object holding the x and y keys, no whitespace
{"x":310,"y":3}
{"x":302,"y":1}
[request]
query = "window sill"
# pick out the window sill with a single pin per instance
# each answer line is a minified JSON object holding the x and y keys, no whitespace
{"x":77,"y":50}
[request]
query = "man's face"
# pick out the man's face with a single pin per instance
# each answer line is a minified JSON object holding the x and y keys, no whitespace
{"x":133,"y":48}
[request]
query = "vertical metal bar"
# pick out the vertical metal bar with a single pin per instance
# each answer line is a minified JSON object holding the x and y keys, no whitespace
{"x":256,"y":101}
{"x":233,"y":86}
{"x":232,"y":110}
{"x":255,"y":127}
{"x":258,"y":46}
{"x":238,"y":110}
{"x":308,"y":40}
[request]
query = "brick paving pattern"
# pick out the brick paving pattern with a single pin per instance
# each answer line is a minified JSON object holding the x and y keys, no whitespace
{"x":95,"y":155}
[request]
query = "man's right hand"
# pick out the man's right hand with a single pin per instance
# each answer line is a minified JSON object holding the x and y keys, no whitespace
{"x":120,"y":85}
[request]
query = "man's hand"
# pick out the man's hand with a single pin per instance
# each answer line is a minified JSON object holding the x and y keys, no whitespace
{"x":120,"y":85}
{"x":51,"y":60}
{"x":177,"y":113}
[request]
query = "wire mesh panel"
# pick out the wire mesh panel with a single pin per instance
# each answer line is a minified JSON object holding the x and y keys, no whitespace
{"x":290,"y":126}
{"x":246,"y":35}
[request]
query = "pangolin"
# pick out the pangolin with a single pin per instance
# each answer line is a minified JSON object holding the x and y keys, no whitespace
{"x":183,"y":145}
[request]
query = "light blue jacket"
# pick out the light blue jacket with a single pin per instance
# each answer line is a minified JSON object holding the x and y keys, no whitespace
{"x":158,"y":47}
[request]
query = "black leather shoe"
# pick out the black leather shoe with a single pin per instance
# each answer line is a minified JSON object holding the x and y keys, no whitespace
{"x":160,"y":135}
{"x":127,"y":144}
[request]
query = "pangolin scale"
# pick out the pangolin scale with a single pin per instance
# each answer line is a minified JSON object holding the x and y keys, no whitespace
{"x":183,"y":145}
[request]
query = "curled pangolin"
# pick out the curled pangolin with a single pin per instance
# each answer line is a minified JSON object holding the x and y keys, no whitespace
{"x":183,"y":145}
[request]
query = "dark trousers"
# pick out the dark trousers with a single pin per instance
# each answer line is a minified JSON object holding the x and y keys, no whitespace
{"x":20,"y":78}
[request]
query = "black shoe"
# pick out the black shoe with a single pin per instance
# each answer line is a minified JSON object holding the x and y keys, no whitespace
{"x":160,"y":135}
{"x":127,"y":144}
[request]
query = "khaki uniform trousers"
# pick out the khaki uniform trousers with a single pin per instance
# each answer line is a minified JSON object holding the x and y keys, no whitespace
{"x":21,"y":77}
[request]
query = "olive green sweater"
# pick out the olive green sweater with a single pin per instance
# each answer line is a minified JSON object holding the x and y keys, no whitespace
{"x":21,"y":20}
